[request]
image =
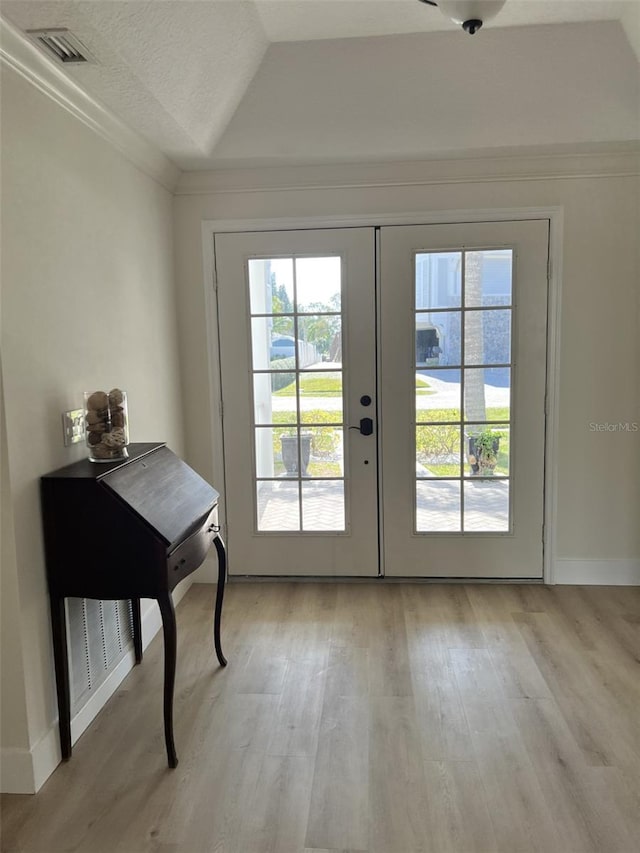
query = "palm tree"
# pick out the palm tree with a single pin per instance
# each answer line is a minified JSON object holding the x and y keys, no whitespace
{"x":474,"y":400}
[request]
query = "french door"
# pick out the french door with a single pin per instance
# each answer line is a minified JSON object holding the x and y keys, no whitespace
{"x":298,"y":364}
{"x":383,"y":395}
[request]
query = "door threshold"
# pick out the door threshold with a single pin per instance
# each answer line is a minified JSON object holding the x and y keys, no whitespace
{"x":378,"y":580}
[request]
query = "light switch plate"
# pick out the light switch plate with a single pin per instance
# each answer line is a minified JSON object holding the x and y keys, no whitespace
{"x":73,"y":426}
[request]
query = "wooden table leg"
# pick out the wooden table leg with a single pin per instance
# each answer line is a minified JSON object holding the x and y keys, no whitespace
{"x":61,"y":662}
{"x":222,"y":578}
{"x":137,"y":629}
{"x":165,"y":602}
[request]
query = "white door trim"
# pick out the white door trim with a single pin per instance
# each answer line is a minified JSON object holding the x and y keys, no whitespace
{"x":554,"y":214}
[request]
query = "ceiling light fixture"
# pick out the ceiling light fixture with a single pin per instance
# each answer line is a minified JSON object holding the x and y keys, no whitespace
{"x":470,"y":14}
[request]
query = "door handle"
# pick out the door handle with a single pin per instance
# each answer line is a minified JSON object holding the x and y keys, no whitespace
{"x":366,"y":426}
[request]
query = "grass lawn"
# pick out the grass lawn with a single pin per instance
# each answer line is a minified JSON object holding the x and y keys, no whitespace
{"x":314,"y":385}
{"x":329,"y":384}
{"x":422,"y":387}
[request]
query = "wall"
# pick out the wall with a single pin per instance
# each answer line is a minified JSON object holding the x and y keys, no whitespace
{"x":88,"y":302}
{"x":596,"y":535}
{"x":13,"y":710}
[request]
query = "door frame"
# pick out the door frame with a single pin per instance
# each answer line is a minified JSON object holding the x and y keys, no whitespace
{"x":555,"y":215}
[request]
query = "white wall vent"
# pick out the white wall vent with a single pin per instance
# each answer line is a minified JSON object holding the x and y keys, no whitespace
{"x":60,"y":43}
{"x":100,"y":633}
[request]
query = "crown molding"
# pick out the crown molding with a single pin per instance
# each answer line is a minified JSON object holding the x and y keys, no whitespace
{"x":19,"y":54}
{"x":607,"y":160}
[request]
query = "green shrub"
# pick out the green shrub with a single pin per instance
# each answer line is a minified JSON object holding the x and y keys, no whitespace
{"x":437,"y":441}
{"x":281,"y":380}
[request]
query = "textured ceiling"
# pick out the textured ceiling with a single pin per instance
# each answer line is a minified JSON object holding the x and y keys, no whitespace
{"x":218,"y":82}
{"x":304,"y":20}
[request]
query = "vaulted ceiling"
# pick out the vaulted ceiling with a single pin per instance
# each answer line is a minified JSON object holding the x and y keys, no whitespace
{"x":216,"y":83}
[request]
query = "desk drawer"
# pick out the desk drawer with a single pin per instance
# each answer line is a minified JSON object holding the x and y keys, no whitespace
{"x":190,"y":554}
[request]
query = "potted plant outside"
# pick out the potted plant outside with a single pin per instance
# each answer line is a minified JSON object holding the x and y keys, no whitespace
{"x":483,"y":452}
{"x":289,"y":445}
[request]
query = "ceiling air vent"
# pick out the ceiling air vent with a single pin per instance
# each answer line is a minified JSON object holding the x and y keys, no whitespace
{"x":61,"y":44}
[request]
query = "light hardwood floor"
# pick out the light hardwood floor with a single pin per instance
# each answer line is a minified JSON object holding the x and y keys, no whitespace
{"x":390,"y":718}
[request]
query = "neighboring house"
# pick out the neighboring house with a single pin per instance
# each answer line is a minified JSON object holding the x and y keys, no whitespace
{"x":439,"y":288}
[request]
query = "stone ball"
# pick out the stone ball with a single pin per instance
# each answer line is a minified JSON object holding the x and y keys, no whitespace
{"x":116,"y":396}
{"x":98,"y":400}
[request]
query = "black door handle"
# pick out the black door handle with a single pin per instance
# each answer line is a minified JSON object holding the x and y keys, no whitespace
{"x":366,"y":426}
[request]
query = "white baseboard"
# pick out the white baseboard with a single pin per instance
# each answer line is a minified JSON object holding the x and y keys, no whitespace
{"x":24,"y":771}
{"x":597,"y":572}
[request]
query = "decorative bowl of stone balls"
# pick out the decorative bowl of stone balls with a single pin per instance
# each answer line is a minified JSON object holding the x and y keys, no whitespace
{"x":107,"y":424}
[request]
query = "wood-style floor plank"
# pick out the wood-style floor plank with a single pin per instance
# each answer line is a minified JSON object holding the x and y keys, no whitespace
{"x":339,"y":810}
{"x":457,"y":814}
{"x":366,"y":718}
{"x":398,"y":793}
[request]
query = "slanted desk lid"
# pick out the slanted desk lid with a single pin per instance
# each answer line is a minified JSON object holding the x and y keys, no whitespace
{"x":164,"y":492}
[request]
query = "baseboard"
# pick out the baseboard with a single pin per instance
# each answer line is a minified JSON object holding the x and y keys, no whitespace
{"x":24,"y":771}
{"x":596,"y":572}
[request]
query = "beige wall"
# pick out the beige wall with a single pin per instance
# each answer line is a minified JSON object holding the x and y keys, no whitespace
{"x":598,"y":483}
{"x":88,"y":302}
{"x":13,"y":708}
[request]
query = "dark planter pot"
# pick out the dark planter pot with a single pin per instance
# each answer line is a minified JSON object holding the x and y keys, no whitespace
{"x":475,"y":468}
{"x":290,"y":453}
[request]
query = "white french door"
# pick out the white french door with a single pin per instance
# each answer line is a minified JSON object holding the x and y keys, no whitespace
{"x":463,"y":363}
{"x":298,"y":369}
{"x":383,"y":395}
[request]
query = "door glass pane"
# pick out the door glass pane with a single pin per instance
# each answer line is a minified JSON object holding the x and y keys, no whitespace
{"x":487,"y":278}
{"x":486,"y":506}
{"x":437,"y":395}
{"x":438,"y":506}
{"x":438,"y":451}
{"x":437,"y":338}
{"x":274,"y":398}
{"x":318,"y":286}
{"x":489,"y":387}
{"x":273,"y":454}
{"x":273,"y":343}
{"x":487,"y":337}
{"x":321,"y":397}
{"x":438,"y":279}
{"x":488,"y":450}
{"x":323,"y":505}
{"x":324,"y":448}
{"x":278,"y":505}
{"x":271,"y":286}
{"x":320,"y":342}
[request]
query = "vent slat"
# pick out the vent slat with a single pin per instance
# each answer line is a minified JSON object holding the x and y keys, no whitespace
{"x":61,"y":44}
{"x":100,"y":634}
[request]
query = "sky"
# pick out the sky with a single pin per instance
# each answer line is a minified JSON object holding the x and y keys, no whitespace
{"x":317,"y":279}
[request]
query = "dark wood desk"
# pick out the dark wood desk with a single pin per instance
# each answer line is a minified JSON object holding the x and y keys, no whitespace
{"x":129,"y":529}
